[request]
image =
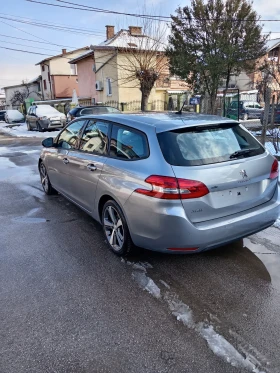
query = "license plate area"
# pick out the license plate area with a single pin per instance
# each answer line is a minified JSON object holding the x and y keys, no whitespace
{"x":235,"y":196}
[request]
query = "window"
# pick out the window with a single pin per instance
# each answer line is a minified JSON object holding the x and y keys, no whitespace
{"x":69,"y":138}
{"x":257,"y":106}
{"x":199,"y":146}
{"x":109,"y":87}
{"x":43,"y":67}
{"x":95,"y":137}
{"x":45,"y":84}
{"x":73,"y":68}
{"x":128,"y":144}
{"x":98,"y":110}
{"x":250,"y":105}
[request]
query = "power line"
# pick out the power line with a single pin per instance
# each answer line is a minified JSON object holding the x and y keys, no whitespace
{"x":155,"y":17}
{"x":26,"y":32}
{"x":20,"y":50}
{"x":57,"y":25}
{"x":53,"y":27}
{"x":98,"y":10}
{"x":32,"y":52}
{"x":30,"y":46}
{"x":36,"y":41}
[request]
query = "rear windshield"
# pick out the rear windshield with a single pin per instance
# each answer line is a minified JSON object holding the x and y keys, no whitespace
{"x":200,"y":145}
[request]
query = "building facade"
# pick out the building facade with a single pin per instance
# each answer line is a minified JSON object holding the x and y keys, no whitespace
{"x":59,"y":78}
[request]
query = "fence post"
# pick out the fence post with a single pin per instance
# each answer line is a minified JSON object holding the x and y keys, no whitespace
{"x":265,"y":116}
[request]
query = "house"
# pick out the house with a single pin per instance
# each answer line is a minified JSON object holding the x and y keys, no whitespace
{"x":59,"y":78}
{"x":248,"y":83}
{"x":105,"y":74}
{"x":2,"y":100}
{"x":17,"y":94}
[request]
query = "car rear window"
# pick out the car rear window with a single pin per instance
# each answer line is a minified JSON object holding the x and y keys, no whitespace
{"x":200,"y":145}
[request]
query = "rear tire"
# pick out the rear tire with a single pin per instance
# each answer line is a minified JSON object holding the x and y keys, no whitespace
{"x":45,"y":181}
{"x":115,"y":229}
{"x":28,"y":126}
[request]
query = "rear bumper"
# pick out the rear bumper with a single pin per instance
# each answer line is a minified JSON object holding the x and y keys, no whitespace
{"x":160,"y":225}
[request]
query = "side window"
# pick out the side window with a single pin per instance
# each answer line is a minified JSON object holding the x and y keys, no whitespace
{"x":69,"y":138}
{"x":250,"y":105}
{"x":128,"y":144}
{"x":95,"y":137}
{"x":257,"y":106}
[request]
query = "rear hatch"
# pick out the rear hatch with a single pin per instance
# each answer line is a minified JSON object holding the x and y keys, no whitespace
{"x":228,"y":160}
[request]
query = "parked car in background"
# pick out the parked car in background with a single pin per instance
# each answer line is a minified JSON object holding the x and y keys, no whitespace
{"x":87,"y":110}
{"x":247,"y":110}
{"x":166,"y":182}
{"x":44,"y":118}
{"x":276,"y":114}
{"x":14,"y":116}
{"x":2,"y":115}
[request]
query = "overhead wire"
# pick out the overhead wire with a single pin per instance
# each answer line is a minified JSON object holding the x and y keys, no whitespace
{"x":36,"y":41}
{"x":54,"y":27}
{"x":155,"y":17}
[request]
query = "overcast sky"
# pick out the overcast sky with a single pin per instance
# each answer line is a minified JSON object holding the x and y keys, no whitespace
{"x":15,"y":66}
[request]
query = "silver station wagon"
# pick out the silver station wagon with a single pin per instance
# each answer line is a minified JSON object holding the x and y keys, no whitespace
{"x":172,"y":183}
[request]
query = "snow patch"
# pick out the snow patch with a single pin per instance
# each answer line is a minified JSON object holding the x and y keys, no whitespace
{"x":21,"y":131}
{"x":146,"y":283}
{"x":222,"y":348}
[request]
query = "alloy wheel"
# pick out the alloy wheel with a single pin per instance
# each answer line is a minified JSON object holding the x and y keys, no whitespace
{"x":44,"y":177}
{"x":113,"y":227}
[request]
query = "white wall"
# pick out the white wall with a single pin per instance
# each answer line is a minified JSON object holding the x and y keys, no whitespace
{"x":9,"y":91}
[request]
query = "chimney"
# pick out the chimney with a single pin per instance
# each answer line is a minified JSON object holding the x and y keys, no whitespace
{"x":63,"y":51}
{"x":110,"y":32}
{"x":135,"y":30}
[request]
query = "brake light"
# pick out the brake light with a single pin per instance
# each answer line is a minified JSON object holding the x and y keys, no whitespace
{"x":274,"y":170}
{"x":165,"y":187}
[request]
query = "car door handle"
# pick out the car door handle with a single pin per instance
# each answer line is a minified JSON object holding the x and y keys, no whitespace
{"x":65,"y":161}
{"x":91,"y":167}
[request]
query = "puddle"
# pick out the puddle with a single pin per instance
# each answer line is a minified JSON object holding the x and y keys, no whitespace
{"x":24,"y":219}
{"x":269,"y":258}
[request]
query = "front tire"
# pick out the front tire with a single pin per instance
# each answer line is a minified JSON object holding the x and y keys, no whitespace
{"x":45,"y":181}
{"x":39,"y":128}
{"x":115,"y":229}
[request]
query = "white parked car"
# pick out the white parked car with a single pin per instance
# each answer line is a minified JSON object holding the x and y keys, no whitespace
{"x":14,"y":116}
{"x":44,"y":118}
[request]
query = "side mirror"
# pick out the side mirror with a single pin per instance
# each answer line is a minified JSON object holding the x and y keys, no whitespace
{"x":48,"y":142}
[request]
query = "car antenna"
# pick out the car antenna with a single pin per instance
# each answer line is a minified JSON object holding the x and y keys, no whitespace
{"x":180,"y":111}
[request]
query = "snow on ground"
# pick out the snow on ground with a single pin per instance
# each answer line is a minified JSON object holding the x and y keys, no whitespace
{"x":20,"y":130}
{"x":183,"y":313}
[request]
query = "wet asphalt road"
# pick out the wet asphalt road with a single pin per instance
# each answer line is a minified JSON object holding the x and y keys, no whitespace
{"x":67,"y":304}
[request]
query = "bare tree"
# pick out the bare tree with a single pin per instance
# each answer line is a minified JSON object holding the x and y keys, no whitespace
{"x":20,"y":95}
{"x":269,"y":81}
{"x":141,"y":59}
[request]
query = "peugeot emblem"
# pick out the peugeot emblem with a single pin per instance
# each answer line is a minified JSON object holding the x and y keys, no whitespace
{"x":243,"y":174}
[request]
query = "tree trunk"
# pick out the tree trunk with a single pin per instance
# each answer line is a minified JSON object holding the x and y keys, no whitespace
{"x":144,"y":100}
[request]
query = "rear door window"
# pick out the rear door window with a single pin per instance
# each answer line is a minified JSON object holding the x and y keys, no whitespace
{"x":200,"y":145}
{"x":128,"y":144}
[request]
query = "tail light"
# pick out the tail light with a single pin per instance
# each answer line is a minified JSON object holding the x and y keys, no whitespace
{"x":165,"y":187}
{"x":274,"y":170}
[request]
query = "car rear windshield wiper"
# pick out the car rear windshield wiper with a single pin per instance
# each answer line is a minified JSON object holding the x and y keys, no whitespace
{"x":241,"y":152}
